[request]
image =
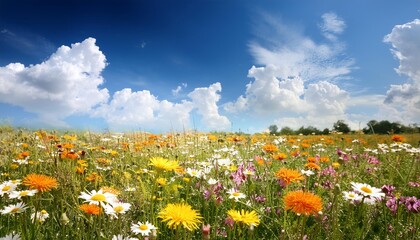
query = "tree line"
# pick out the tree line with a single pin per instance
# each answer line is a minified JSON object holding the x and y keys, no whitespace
{"x":372,"y":127}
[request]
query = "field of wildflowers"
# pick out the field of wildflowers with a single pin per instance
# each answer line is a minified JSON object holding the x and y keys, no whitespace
{"x":208,"y":186}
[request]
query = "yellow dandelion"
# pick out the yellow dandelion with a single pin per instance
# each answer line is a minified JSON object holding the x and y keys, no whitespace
{"x":164,"y":164}
{"x":180,"y":214}
{"x":245,"y":217}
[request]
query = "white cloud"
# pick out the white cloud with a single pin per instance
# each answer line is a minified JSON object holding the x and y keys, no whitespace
{"x":65,"y":84}
{"x":141,"y":110}
{"x":405,"y":41}
{"x":178,"y":89}
{"x":205,"y":100}
{"x":68,"y":84}
{"x":326,"y":99}
{"x":268,"y":93}
{"x":297,"y":55}
{"x":129,"y":110}
{"x":296,"y":80}
{"x":331,"y":26}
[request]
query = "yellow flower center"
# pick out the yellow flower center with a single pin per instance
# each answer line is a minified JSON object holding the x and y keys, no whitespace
{"x":6,"y":188}
{"x":236,"y":194}
{"x":366,"y":189}
{"x":43,"y":212}
{"x":118,"y":209}
{"x":351,"y":195}
{"x":143,"y":227}
{"x":98,"y":197}
{"x":23,"y":193}
{"x":15,"y":210}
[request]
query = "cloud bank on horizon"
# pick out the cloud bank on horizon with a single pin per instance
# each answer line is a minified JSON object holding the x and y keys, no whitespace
{"x":296,"y":83}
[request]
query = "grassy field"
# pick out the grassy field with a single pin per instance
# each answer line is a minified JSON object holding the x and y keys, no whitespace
{"x":208,"y":186}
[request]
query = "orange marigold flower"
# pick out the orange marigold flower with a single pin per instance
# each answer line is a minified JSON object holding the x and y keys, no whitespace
{"x":80,"y":170}
{"x":40,"y":182}
{"x":397,"y":138}
{"x":94,"y":177}
{"x":295,"y":153}
{"x":311,"y":159}
{"x":304,"y":154}
{"x":303,"y":202}
{"x":23,"y":155}
{"x":289,"y":175}
{"x":67,"y":145}
{"x":69,"y":155}
{"x":279,"y":156}
{"x":103,"y":161}
{"x":211,"y":137}
{"x":324,"y":159}
{"x":305,"y":145}
{"x":270,"y":148}
{"x":91,"y":209}
{"x":313,"y":166}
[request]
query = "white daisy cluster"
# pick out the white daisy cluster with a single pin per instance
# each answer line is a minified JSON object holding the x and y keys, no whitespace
{"x":109,"y":201}
{"x":363,"y":193}
{"x":114,"y":207}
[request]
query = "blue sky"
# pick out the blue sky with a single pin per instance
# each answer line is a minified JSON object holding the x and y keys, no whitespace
{"x":208,"y":65}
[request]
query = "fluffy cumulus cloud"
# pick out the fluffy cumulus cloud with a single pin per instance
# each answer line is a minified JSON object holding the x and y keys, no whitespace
{"x":142,"y":110}
{"x":297,"y":81}
{"x":67,"y":83}
{"x":205,"y":100}
{"x":405,"y":41}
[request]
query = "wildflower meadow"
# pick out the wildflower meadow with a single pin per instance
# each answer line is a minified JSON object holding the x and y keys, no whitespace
{"x":191,"y":185}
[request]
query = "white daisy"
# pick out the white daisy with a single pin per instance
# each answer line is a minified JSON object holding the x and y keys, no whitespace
{"x":121,"y":237}
{"x":235,"y":194}
{"x":14,"y":208}
{"x":12,"y":236}
{"x":130,"y":189}
{"x":194,"y":172}
{"x":115,"y":208}
{"x":98,"y":197}
{"x":143,"y":228}
{"x":307,"y":172}
{"x":248,"y":172}
{"x":212,"y":181}
{"x":40,"y":216}
{"x":367,"y":190}
{"x":24,"y":193}
{"x":352,"y":196}
{"x":7,"y":188}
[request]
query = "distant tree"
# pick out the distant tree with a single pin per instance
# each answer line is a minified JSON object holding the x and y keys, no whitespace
{"x":396,"y":128}
{"x":341,"y":126}
{"x":326,"y":131}
{"x":273,"y":129}
{"x":287,"y":131}
{"x":308,"y":130}
{"x":371,"y":125}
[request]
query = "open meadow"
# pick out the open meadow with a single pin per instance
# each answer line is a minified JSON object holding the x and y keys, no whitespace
{"x":83,"y":185}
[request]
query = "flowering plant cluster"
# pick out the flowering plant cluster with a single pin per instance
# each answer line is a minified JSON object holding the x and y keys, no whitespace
{"x":207,"y":186}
